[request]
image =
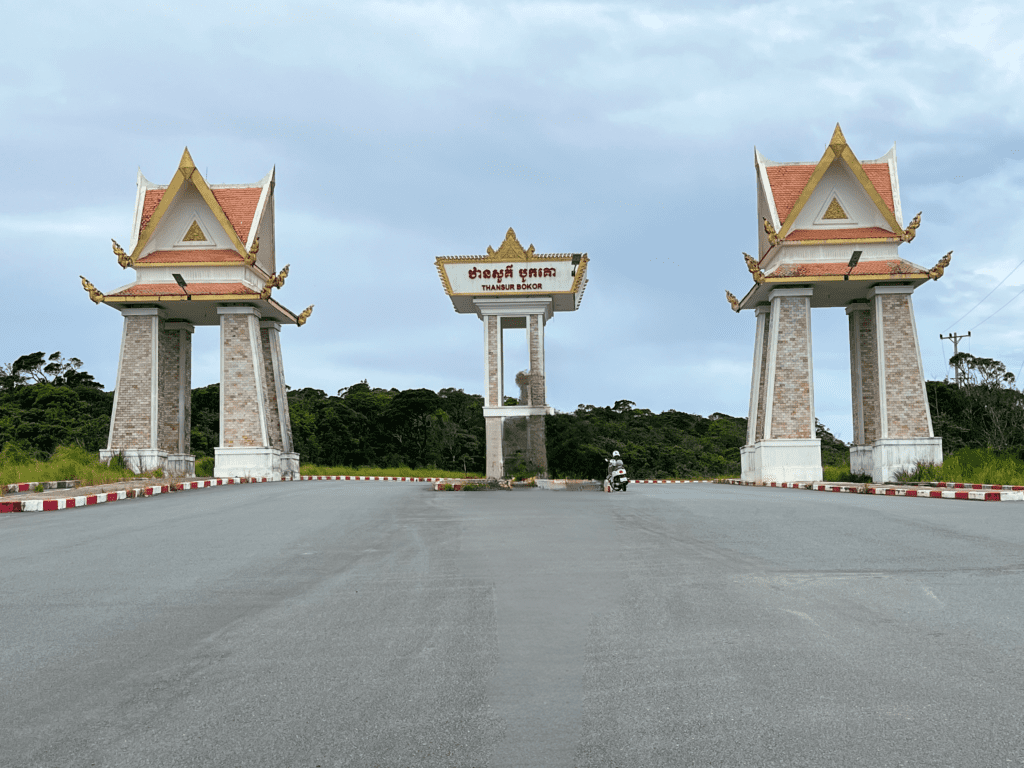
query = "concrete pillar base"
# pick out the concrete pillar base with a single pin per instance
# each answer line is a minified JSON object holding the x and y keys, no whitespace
{"x":181,"y":465}
{"x":891,"y":455}
{"x":137,"y":459}
{"x":861,"y":461}
{"x":290,"y":466}
{"x":781,"y":461}
{"x":247,"y":462}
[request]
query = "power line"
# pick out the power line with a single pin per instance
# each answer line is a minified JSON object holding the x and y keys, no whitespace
{"x":1018,"y":293}
{"x":986,"y":296}
{"x":955,"y":338}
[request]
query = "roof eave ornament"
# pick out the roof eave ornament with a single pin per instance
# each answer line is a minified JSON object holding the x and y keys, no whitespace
{"x":276,"y":281}
{"x":94,"y":292}
{"x":733,"y":301}
{"x":755,"y":270}
{"x":910,"y":232}
{"x":304,"y":316}
{"x":122,"y":258}
{"x":250,"y":259}
{"x":773,"y":236}
{"x":937,"y":271}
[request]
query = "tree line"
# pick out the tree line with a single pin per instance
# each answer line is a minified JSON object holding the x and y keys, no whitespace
{"x":48,"y":401}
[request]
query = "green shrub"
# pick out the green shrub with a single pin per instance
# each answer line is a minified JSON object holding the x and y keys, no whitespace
{"x":204,"y":467}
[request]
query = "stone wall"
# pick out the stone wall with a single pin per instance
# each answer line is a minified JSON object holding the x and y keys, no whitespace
{"x":762,"y":386}
{"x":864,"y":373}
{"x":240,"y":391}
{"x":270,"y":391}
{"x":168,"y":389}
{"x":494,"y":373}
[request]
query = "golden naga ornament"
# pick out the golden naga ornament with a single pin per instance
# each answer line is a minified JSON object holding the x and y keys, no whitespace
{"x":773,"y":236}
{"x":754,"y":269}
{"x":275,"y":281}
{"x":251,"y":258}
{"x":122,"y":258}
{"x":304,"y":316}
{"x":733,"y":301}
{"x":911,"y":229}
{"x":936,"y":272}
{"x":94,"y":293}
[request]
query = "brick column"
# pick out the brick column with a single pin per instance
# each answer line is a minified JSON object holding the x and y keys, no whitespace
{"x":175,"y":428}
{"x":245,"y":447}
{"x":536,"y":441}
{"x":141,"y":405}
{"x":276,"y":396}
{"x":494,"y":394}
{"x":782,"y":394}
{"x":864,"y":386}
{"x":904,"y":433}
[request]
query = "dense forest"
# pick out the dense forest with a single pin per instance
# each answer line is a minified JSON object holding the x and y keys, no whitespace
{"x":48,"y":401}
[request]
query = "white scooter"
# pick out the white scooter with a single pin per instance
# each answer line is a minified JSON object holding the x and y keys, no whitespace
{"x":616,"y":480}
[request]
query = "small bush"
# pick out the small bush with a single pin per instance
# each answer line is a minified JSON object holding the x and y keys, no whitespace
{"x":204,"y":466}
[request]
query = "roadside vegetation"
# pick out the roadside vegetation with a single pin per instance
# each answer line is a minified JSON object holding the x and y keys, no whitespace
{"x":54,"y":418}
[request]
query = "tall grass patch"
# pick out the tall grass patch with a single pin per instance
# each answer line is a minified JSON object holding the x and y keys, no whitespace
{"x":317,"y":469}
{"x":17,"y":466}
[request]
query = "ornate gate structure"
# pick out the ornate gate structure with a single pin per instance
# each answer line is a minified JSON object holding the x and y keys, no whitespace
{"x":203,"y":255}
{"x":828,"y":237}
{"x":514,"y":287}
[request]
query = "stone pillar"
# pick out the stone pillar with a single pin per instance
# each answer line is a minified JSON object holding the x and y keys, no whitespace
{"x":536,"y":441}
{"x":175,"y":430}
{"x":864,"y":386}
{"x":785,"y":448}
{"x":276,"y":398}
{"x":245,"y":448}
{"x":903,"y":433}
{"x":494,"y":395}
{"x":144,"y":424}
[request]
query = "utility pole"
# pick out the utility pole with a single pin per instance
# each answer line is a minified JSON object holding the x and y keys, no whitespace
{"x":956,"y":340}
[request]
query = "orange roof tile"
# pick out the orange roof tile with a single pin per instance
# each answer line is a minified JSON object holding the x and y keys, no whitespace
{"x":787,"y":182}
{"x":152,"y":200}
{"x":832,"y":269}
{"x":189,"y":256}
{"x":239,"y":206}
{"x":878,"y":175}
{"x":193,"y":289}
{"x":857,"y":233}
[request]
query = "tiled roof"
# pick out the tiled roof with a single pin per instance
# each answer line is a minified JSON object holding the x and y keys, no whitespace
{"x":833,"y":269}
{"x":857,"y":233}
{"x":152,"y":200}
{"x":239,"y":204}
{"x":193,"y":289}
{"x":787,"y":182}
{"x":187,"y":256}
{"x":240,"y":207}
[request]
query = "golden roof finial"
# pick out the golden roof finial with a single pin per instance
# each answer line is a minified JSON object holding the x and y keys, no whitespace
{"x":304,"y":316}
{"x":755,"y":270}
{"x":910,"y":231}
{"x":838,"y":141}
{"x":936,"y":272}
{"x":94,"y":293}
{"x":122,"y":258}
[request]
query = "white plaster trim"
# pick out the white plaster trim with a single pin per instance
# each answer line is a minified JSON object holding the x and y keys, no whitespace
{"x":769,"y":195}
{"x":824,"y":223}
{"x":518,"y":410}
{"x":154,"y":385}
{"x":515,"y":306}
{"x":920,"y":366}
{"x":883,"y":411}
{"x":141,"y":185}
{"x":117,"y":386}
{"x":222,"y":310}
{"x":779,"y":292}
{"x":894,"y":178}
{"x":889,"y":289}
{"x":773,"y":345}
{"x":261,"y":205}
{"x":144,"y":311}
{"x":256,"y":348}
{"x":755,"y":377}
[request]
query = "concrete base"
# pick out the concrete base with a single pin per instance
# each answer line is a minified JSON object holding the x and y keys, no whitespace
{"x":781,"y":461}
{"x":138,"y":459}
{"x":290,"y":466}
{"x":247,"y":462}
{"x":181,"y":465}
{"x":890,"y":456}
{"x":861,"y":461}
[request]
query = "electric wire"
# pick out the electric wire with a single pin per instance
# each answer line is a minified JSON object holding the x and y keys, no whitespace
{"x":1018,"y":293}
{"x":986,"y":296}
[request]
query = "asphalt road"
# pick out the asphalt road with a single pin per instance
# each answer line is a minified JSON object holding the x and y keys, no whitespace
{"x":298,"y":625}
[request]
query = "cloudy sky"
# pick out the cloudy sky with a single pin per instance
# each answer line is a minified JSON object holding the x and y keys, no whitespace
{"x":402,"y":131}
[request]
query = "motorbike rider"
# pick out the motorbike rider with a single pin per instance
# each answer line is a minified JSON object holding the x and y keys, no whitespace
{"x":614,"y":463}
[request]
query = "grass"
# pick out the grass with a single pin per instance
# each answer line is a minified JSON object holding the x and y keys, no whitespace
{"x":65,"y":464}
{"x":316,"y":469}
{"x":970,"y":465}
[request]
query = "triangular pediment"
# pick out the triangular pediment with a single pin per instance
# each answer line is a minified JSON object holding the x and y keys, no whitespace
{"x":194,"y":234}
{"x":835,"y":210}
{"x":838,"y":153}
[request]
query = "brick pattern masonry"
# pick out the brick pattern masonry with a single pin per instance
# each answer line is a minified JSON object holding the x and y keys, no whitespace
{"x":792,"y":403}
{"x":762,"y":386}
{"x":131,"y":422}
{"x":240,"y":418}
{"x":905,"y":406}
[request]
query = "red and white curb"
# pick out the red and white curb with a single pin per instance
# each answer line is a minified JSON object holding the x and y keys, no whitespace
{"x":49,"y":505}
{"x":920,"y":493}
{"x":670,"y":481}
{"x":48,"y":485}
{"x":385,"y":479}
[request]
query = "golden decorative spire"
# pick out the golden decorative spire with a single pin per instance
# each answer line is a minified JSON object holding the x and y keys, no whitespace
{"x":275,"y":281}
{"x":755,"y":270}
{"x":251,"y":258}
{"x":510,"y":249}
{"x":773,"y":236}
{"x":122,"y":258}
{"x":304,"y":315}
{"x":733,"y":301}
{"x":910,"y":231}
{"x":936,"y":272}
{"x":94,"y":293}
{"x":838,"y":141}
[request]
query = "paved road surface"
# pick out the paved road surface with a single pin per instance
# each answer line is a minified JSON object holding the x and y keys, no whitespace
{"x":298,"y":625}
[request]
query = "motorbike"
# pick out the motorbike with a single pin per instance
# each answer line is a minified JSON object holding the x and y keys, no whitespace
{"x":617,"y":479}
